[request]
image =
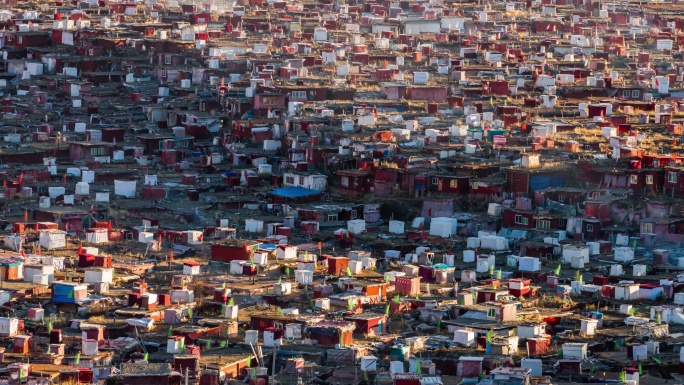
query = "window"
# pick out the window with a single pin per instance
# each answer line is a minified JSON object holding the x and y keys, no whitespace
{"x":543,"y":224}
{"x":625,"y":93}
{"x":270,"y":100}
{"x":590,"y":228}
{"x":435,"y":180}
{"x":491,"y":313}
{"x":562,"y":222}
{"x":20,"y":40}
{"x":649,"y":179}
{"x":332,"y":217}
{"x":289,"y":179}
{"x":672,"y":177}
{"x":201,"y":20}
{"x":453,"y":183}
{"x":474,"y":185}
{"x":561,"y":198}
{"x":646,"y":228}
{"x":520,"y":220}
{"x":634,"y":179}
{"x":95,"y":151}
{"x":344,"y":181}
{"x":298,"y":94}
{"x":635,"y":94}
{"x":163,"y":73}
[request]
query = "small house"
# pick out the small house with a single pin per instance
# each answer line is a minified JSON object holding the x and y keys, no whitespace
{"x":575,"y":350}
{"x":227,"y":250}
{"x":99,"y":274}
{"x":368,"y":324}
{"x":284,"y":252}
{"x":191,"y":268}
{"x":502,"y":312}
{"x":331,"y":333}
{"x":52,"y":239}
{"x":97,"y":235}
{"x":11,"y":269}
{"x":407,"y":285}
{"x":469,"y":366}
{"x":89,"y":150}
{"x":9,"y":327}
{"x":68,"y":292}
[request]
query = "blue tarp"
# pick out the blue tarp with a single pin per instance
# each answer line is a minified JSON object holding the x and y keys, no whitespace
{"x":294,"y":192}
{"x":267,"y":247}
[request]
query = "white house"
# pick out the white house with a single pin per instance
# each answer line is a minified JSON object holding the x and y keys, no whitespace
{"x":98,"y":274}
{"x":191,"y":268}
{"x":286,"y":252}
{"x":313,"y":181}
{"x":52,"y":239}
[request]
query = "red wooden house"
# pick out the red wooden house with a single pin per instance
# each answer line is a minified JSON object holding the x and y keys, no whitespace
{"x":518,"y":218}
{"x":355,"y":183}
{"x":644,"y":181}
{"x":600,"y":207}
{"x":233,"y":250}
{"x":368,"y":323}
{"x":549,"y":222}
{"x":673,"y":184}
{"x":564,"y":195}
{"x":450,"y":184}
{"x":536,"y":249}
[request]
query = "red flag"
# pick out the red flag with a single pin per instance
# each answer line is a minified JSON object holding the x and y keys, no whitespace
{"x":22,"y":253}
{"x":38,"y":251}
{"x":170,"y":256}
{"x":320,"y":245}
{"x":21,"y":177}
{"x":25,"y":216}
{"x":4,"y":183}
{"x":657,"y":82}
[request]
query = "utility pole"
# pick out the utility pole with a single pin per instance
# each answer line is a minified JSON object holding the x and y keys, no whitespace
{"x":273,"y":364}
